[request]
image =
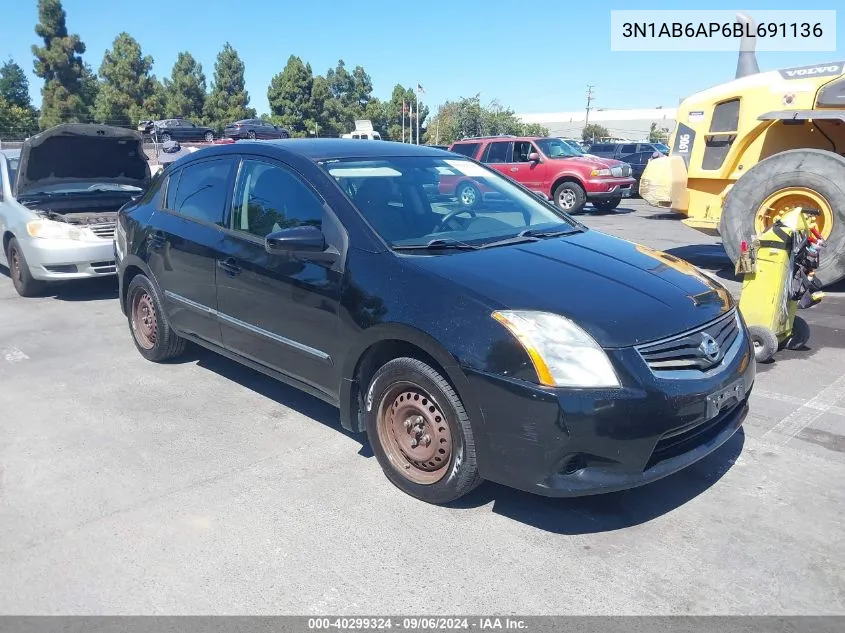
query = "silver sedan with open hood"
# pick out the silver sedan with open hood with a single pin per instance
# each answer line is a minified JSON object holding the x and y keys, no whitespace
{"x":59,"y":196}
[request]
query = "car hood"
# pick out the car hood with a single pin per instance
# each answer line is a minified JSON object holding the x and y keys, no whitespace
{"x":82,"y":152}
{"x":621,"y":293}
{"x":598,"y":161}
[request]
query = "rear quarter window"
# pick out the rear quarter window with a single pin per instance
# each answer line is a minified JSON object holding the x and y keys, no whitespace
{"x":466,"y":149}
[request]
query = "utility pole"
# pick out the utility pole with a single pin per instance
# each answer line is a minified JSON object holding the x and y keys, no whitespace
{"x":589,"y":101}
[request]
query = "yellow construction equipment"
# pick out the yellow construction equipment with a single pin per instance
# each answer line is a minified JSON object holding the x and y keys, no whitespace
{"x":747,"y":152}
{"x":779,"y":279}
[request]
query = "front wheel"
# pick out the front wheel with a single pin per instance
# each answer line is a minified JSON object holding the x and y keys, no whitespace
{"x":420,"y":432}
{"x":165,"y":137}
{"x":23,"y":281}
{"x":605,"y":206}
{"x":250,"y":135}
{"x":570,"y":197}
{"x":153,"y":336}
{"x":209,"y":137}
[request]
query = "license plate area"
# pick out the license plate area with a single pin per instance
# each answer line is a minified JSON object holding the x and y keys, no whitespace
{"x":725,"y":398}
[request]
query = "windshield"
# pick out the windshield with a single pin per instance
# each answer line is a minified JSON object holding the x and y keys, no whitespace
{"x":413,"y":201}
{"x":661,"y":147}
{"x":573,"y":145}
{"x":556,"y":148}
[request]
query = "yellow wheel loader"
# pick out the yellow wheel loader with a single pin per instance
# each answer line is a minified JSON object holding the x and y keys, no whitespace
{"x":747,"y":152}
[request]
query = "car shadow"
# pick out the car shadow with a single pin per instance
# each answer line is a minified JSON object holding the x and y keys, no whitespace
{"x":664,"y":216}
{"x":611,"y":511}
{"x":97,"y":288}
{"x":273,"y":389}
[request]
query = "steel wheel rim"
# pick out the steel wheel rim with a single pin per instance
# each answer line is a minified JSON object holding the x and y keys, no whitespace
{"x":566,"y":199}
{"x":468,"y":195}
{"x":209,"y":137}
{"x":144,"y":320}
{"x":15,"y":265}
{"x":251,"y":135}
{"x":784,"y":200}
{"x":415,"y":434}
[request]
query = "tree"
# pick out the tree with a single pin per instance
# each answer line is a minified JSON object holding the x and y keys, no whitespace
{"x":228,"y":100}
{"x":184,"y":91}
{"x":327,"y":111}
{"x":128,"y":92}
{"x":290,"y":97}
{"x":657,"y":135}
{"x":393,"y":114}
{"x":468,"y":117}
{"x":59,"y":64}
{"x":18,"y":119}
{"x":594,"y":131}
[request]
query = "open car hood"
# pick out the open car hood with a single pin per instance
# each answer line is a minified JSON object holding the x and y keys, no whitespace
{"x":82,"y":152}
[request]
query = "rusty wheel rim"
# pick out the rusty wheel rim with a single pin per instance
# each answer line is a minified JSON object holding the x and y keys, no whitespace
{"x":415,"y":434}
{"x":144,"y":321}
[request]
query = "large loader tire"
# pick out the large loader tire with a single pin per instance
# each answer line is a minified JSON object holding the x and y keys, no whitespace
{"x":809,"y":178}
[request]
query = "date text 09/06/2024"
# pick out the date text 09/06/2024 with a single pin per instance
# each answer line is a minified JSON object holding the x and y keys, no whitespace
{"x":717,"y":29}
{"x":416,"y":623}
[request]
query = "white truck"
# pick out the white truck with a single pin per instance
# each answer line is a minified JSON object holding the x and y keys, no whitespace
{"x":363,"y":130}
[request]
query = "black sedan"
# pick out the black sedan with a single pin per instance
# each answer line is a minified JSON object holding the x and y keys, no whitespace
{"x":181,"y":130}
{"x":254,"y":129}
{"x":505,"y":342}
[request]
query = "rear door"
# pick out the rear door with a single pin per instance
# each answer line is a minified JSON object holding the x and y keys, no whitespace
{"x":626,"y":149}
{"x":280,"y":310}
{"x":498,"y":155}
{"x":184,"y":242}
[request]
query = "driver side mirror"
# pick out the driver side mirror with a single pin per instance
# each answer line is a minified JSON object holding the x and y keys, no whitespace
{"x":533,"y":157}
{"x":297,"y":239}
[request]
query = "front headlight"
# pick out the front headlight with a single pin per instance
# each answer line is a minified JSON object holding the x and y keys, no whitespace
{"x":50,"y":230}
{"x":563,"y":354}
{"x":600,"y":172}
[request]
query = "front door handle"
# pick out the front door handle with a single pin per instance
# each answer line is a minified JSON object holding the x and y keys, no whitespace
{"x":156,"y":240}
{"x":229,"y":266}
{"x":514,"y":168}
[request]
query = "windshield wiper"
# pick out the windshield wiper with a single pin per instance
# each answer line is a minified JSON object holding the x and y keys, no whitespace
{"x":548,"y":233}
{"x":437,"y":243}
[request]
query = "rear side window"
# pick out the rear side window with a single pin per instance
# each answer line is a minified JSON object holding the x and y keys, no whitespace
{"x":628,"y":149}
{"x":601,"y":147}
{"x":202,"y":190}
{"x":466,"y":149}
{"x":497,"y":152}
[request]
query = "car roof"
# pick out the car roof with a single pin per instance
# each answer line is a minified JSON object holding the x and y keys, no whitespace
{"x":505,"y":137}
{"x":318,"y":149}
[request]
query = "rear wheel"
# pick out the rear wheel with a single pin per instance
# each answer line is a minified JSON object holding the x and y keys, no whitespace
{"x":468,"y":195}
{"x":605,"y":206}
{"x":808,"y":178}
{"x":23,"y":281}
{"x":153,"y":336}
{"x":570,"y":197}
{"x":420,"y":432}
{"x":165,"y":137}
{"x":251,"y":135}
{"x":209,"y":137}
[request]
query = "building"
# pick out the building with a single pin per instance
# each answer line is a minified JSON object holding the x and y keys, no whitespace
{"x":628,"y":124}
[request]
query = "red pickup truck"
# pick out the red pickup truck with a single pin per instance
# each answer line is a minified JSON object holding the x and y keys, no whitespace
{"x":547,"y":166}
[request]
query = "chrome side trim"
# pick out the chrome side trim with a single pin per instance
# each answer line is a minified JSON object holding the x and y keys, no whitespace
{"x":247,"y":326}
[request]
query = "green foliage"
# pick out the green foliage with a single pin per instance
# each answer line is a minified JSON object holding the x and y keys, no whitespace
{"x":658,"y":135}
{"x":128,"y":92}
{"x":290,"y":99}
{"x":14,"y":86}
{"x":594,"y":131}
{"x":468,"y":117}
{"x":184,"y":91}
{"x":393,"y":115}
{"x":228,"y":100}
{"x":59,"y":63}
{"x":16,"y":123}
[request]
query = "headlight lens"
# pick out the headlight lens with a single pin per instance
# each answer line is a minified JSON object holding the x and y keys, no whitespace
{"x":563,"y":354}
{"x":600,"y":172}
{"x":50,"y":230}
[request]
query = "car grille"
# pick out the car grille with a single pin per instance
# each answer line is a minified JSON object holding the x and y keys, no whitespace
{"x":684,"y":351}
{"x":104,"y":230}
{"x":620,"y":171}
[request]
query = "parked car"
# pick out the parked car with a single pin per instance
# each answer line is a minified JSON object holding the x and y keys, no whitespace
{"x":620,"y":151}
{"x":254,"y":129}
{"x":505,"y":342}
{"x":638,"y":164}
{"x":550,"y":168}
{"x":59,"y":196}
{"x":181,"y":130}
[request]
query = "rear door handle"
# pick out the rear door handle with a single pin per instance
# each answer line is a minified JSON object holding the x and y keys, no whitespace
{"x":514,"y":168}
{"x":229,"y":266}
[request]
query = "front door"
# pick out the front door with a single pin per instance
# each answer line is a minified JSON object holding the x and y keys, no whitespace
{"x":183,"y":245}
{"x":529,"y":174}
{"x":280,"y":310}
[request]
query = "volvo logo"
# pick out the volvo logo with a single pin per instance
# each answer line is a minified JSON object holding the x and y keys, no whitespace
{"x":709,"y":348}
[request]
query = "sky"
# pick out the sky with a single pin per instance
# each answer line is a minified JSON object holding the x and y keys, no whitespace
{"x":532,"y":56}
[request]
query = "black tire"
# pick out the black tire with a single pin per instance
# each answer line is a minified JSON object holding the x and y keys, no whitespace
{"x":606,"y":206}
{"x":765,"y":342}
{"x":166,"y":344}
{"x":468,"y":195}
{"x":209,"y":137}
{"x":570,"y":197}
{"x":23,"y":281}
{"x":800,"y":335}
{"x":459,"y":474}
{"x":251,"y":135}
{"x":817,"y":170}
{"x":165,"y":137}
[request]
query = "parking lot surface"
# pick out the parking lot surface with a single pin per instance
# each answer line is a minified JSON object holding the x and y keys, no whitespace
{"x":202,"y":487}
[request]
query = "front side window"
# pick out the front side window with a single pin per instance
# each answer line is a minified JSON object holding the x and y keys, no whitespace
{"x":201,"y":192}
{"x":269,"y":198}
{"x":414,"y":201}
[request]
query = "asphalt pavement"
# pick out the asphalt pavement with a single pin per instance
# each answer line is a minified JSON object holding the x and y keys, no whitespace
{"x":202,"y":487}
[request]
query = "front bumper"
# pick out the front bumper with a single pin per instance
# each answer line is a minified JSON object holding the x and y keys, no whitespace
{"x":58,"y":260}
{"x":609,"y":188}
{"x":574,"y":442}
